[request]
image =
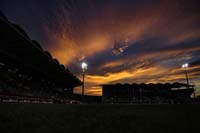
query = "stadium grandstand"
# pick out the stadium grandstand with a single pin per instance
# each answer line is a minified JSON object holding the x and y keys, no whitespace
{"x":148,"y":93}
{"x":27,"y":72}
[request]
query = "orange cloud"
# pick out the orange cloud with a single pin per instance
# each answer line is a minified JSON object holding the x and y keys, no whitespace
{"x":152,"y":74}
{"x":84,"y":35}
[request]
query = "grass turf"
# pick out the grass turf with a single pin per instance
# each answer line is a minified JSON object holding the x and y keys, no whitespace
{"x":41,"y":118}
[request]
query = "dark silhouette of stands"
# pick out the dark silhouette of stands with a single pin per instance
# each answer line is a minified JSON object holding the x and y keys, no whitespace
{"x":147,"y":93}
{"x":198,"y":99}
{"x":27,"y":70}
{"x":87,"y":99}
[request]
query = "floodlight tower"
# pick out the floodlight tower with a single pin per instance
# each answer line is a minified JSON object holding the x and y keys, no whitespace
{"x":185,"y":66}
{"x":84,"y":68}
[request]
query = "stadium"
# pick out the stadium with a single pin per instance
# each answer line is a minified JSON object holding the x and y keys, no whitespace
{"x":28,"y":73}
{"x":134,"y":82}
{"x":148,"y":93}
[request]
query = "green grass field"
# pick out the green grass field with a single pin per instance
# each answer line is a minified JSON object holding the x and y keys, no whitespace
{"x":41,"y":118}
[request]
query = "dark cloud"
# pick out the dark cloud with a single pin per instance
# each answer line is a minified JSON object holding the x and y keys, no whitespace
{"x":161,"y":35}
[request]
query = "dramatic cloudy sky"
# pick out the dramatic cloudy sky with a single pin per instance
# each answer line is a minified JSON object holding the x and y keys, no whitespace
{"x":123,"y":41}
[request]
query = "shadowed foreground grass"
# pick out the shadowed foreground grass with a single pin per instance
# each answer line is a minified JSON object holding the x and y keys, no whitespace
{"x":40,"y":118}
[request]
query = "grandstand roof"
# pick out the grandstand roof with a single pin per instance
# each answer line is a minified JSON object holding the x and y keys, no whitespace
{"x":18,"y":49}
{"x":152,"y":85}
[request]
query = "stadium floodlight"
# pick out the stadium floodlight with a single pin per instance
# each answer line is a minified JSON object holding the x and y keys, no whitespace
{"x":185,"y":66}
{"x":84,"y":68}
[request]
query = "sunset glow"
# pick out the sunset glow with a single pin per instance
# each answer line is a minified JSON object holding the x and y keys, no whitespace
{"x":157,"y":36}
